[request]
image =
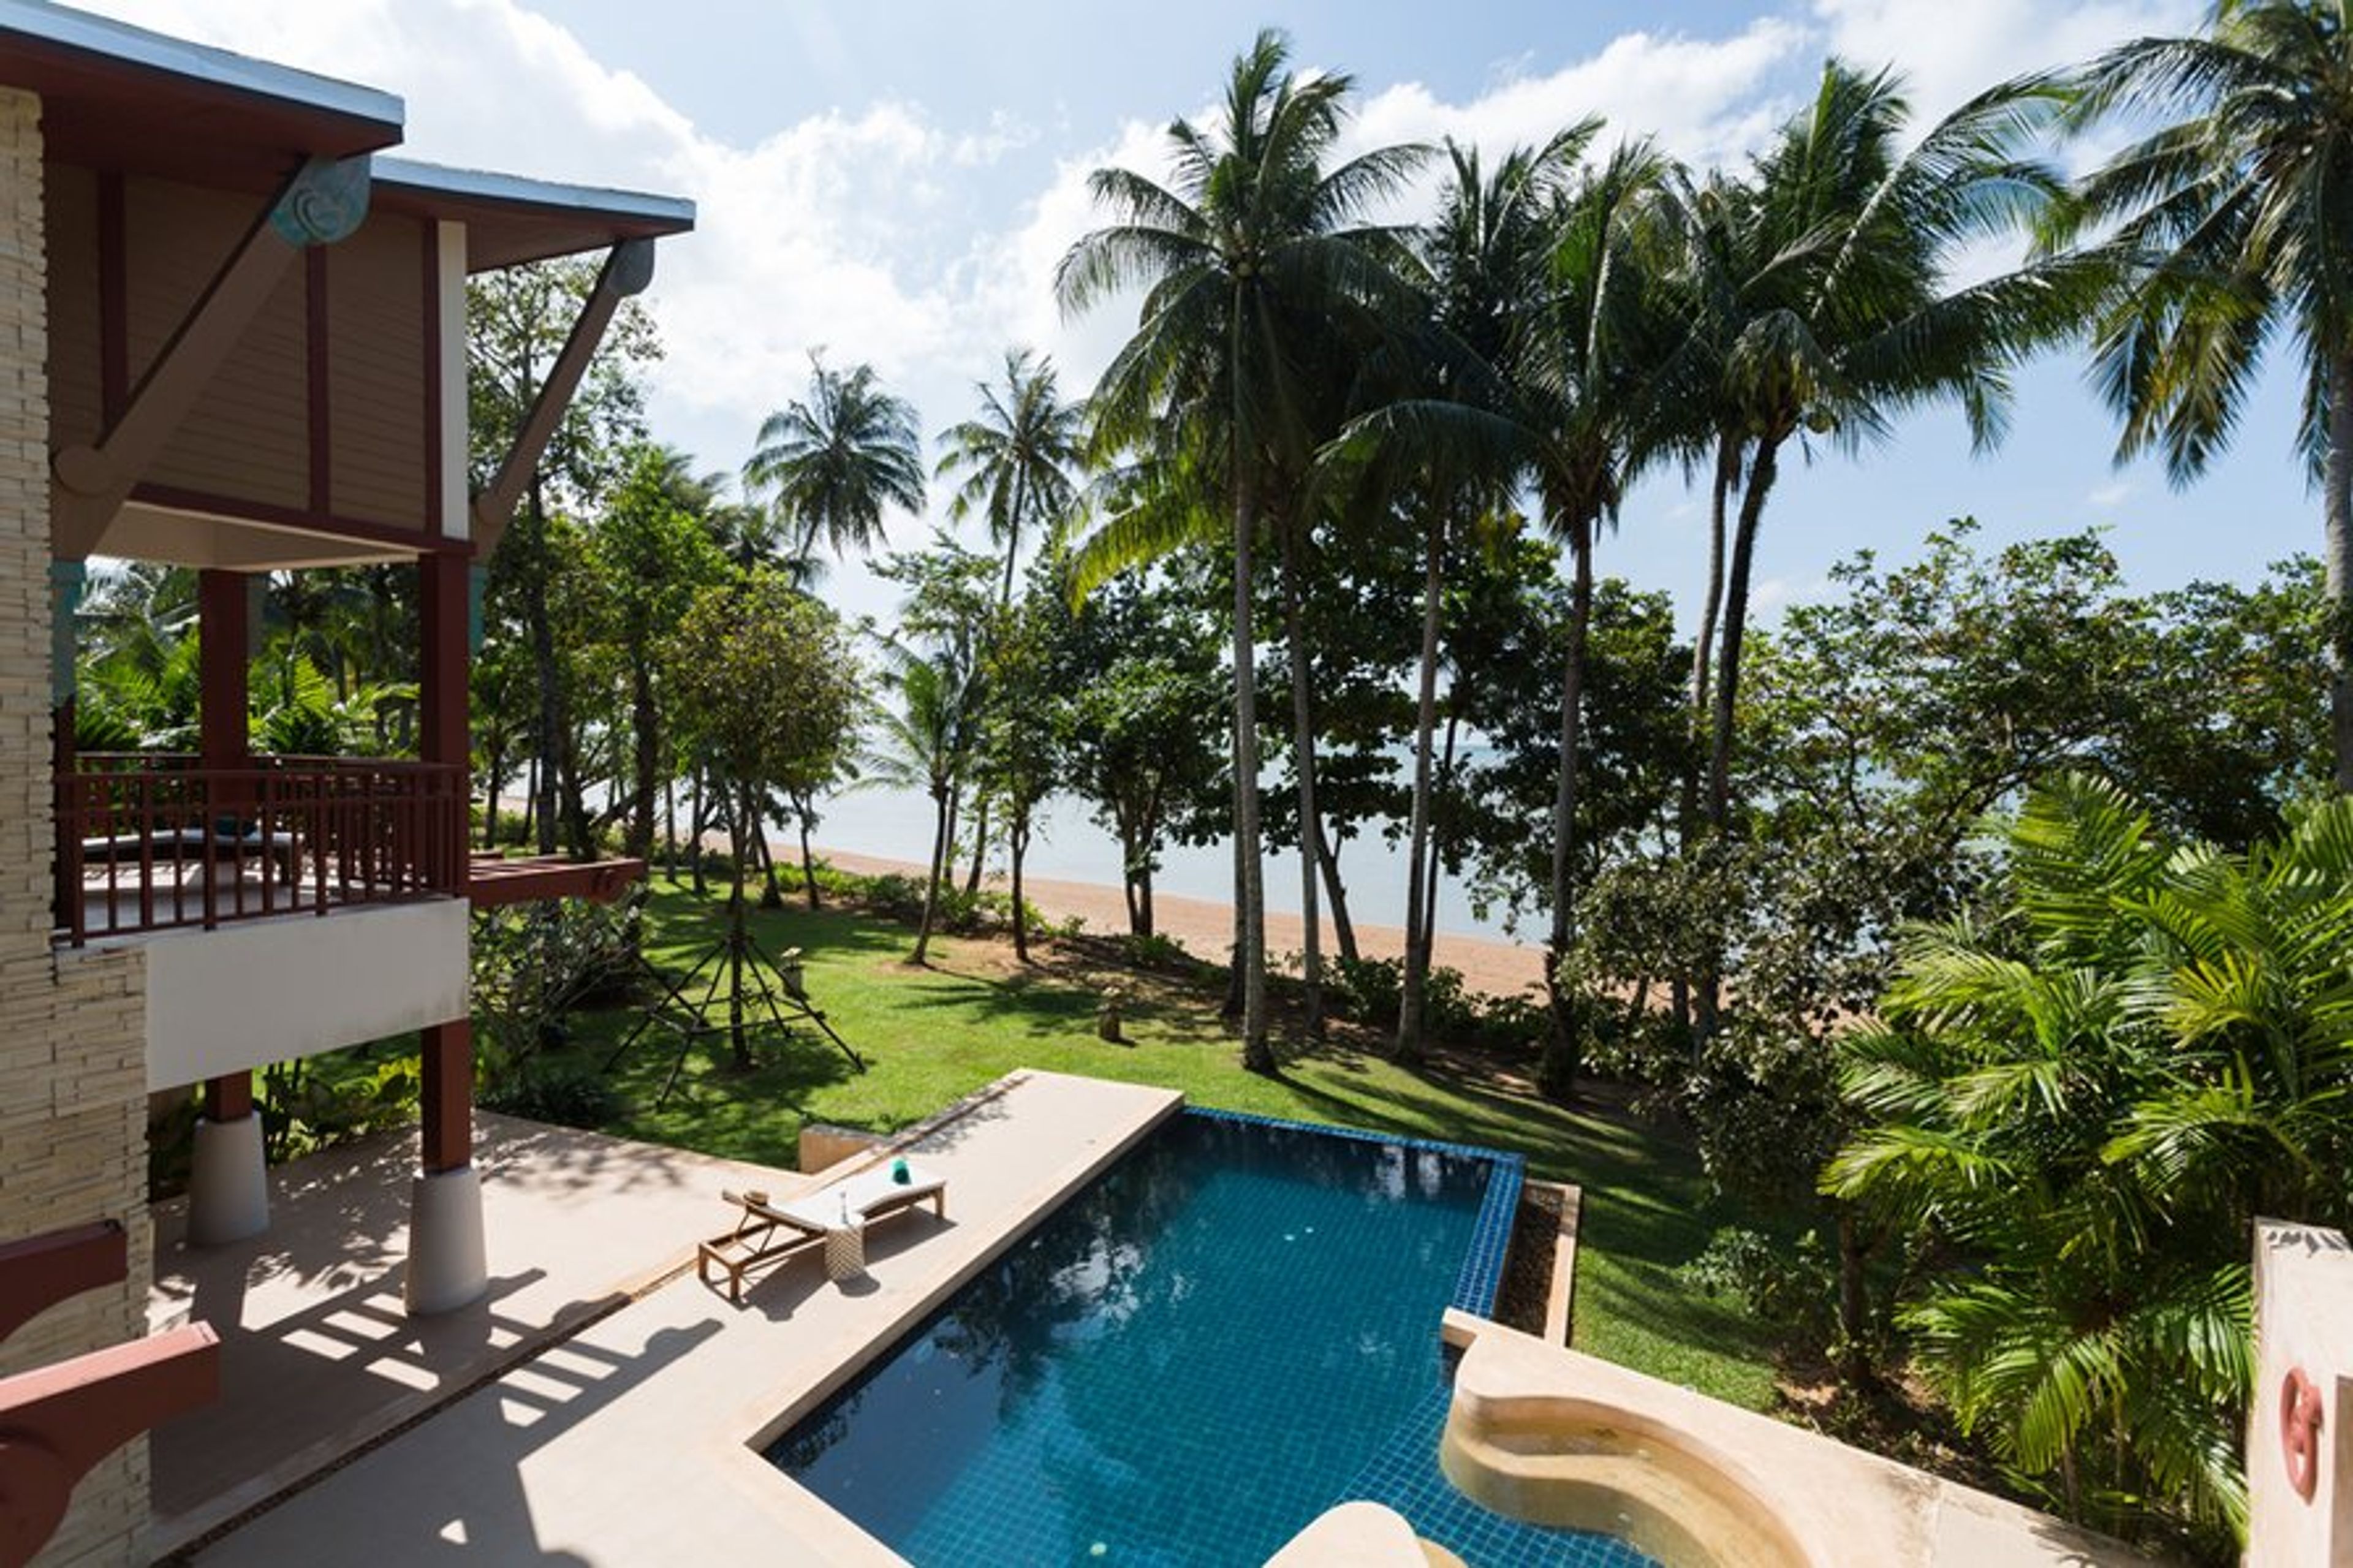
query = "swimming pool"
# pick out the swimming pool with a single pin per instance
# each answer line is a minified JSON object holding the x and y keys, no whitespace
{"x":1232,"y":1330}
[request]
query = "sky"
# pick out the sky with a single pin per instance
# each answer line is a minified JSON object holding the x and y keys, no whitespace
{"x":893,"y":181}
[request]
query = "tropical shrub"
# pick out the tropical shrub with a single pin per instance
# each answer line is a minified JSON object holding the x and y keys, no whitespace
{"x":2080,"y":1104}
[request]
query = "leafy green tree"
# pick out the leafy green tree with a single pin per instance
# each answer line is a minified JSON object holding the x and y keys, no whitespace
{"x":837,"y":458}
{"x":2085,"y":1101}
{"x":650,"y":552}
{"x":765,"y":685}
{"x":1245,"y":265}
{"x":1137,"y":661}
{"x":2222,"y":235}
{"x":517,"y":321}
{"x":1018,"y":760}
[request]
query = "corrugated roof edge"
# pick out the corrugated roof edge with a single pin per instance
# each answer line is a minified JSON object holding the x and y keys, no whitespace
{"x":479,"y":184}
{"x":78,"y":30}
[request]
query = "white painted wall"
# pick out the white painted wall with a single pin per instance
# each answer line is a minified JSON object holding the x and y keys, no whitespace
{"x":269,"y":990}
{"x":2304,"y":1318}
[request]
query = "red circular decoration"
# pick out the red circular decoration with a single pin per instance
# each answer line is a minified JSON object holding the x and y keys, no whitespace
{"x":2299,"y":1422}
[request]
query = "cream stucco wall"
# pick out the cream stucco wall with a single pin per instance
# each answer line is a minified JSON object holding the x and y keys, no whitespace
{"x":258,"y":992}
{"x":2304,"y":1318}
{"x":72,"y":1070}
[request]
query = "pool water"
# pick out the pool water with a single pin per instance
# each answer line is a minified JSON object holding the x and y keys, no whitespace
{"x":1187,"y":1363}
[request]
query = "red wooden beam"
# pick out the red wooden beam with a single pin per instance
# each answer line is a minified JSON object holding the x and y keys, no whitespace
{"x":491,"y":882}
{"x":39,"y":1272}
{"x":58,"y":1421}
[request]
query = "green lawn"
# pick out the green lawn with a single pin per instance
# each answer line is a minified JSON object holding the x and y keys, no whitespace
{"x":931,"y":1036}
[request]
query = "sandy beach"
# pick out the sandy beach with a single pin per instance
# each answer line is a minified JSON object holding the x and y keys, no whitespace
{"x":1205,"y":927}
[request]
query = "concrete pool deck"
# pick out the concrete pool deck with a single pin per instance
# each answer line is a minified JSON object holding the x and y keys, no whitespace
{"x":631,"y":1440}
{"x":317,"y":1353}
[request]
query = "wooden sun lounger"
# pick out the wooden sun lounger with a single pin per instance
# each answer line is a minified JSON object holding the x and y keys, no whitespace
{"x":766,"y":1233}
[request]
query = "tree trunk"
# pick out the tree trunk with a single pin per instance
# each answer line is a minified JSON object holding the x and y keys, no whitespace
{"x":1302,"y":721}
{"x":1854,"y":1304}
{"x":736,"y":943}
{"x":698,"y":823}
{"x":670,"y":827}
{"x":1735,"y":624}
{"x":2337,"y":565}
{"x":941,"y":797}
{"x":549,"y":741}
{"x":1335,"y":893}
{"x":1231,"y":1008}
{"x":648,"y":755}
{"x":1414,"y":985}
{"x":772,"y":893}
{"x":1557,"y":1072}
{"x":802,"y":811}
{"x":494,"y":763}
{"x":1258,"y":1049}
{"x":1727,"y":476}
{"x":979,"y":846}
{"x":1016,"y":843}
{"x":1708,"y":997}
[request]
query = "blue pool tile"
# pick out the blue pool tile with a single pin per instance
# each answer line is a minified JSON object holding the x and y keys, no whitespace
{"x":1189,"y":1361}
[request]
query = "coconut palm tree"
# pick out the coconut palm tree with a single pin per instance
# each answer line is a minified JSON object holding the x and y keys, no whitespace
{"x":1245,"y":260}
{"x":1842,"y":315}
{"x":1484,"y":254}
{"x":1018,"y":456}
{"x":926,"y":744}
{"x":2226,"y":232}
{"x":836,"y":460}
{"x":1572,"y":409}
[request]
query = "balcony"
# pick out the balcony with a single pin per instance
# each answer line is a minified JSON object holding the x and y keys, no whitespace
{"x":150,"y":842}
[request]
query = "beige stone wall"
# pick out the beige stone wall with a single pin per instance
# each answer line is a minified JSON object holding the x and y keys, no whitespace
{"x":72,"y":1063}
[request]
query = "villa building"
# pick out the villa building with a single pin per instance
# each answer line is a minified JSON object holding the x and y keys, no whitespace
{"x":232,"y":338}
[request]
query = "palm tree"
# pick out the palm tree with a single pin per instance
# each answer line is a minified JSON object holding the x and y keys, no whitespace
{"x":1019,"y":454}
{"x":1840,"y":317}
{"x":925,"y":741}
{"x":1484,"y":254}
{"x":1245,"y":263}
{"x":836,"y":460}
{"x":1575,"y":411}
{"x":2083,"y":1109}
{"x":2226,"y":233}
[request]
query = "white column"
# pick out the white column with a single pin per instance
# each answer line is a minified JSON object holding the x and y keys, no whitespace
{"x":228,"y":1185}
{"x":448,"y":1262}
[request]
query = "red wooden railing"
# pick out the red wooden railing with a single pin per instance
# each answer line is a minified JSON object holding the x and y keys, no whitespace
{"x":148,"y":842}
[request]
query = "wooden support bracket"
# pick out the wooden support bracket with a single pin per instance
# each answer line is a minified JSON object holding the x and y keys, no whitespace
{"x":58,"y":1421}
{"x":629,"y":268}
{"x":38,"y":1273}
{"x":321,"y":203}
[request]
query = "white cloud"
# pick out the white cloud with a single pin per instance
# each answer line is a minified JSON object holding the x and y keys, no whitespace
{"x":861,"y":229}
{"x":1949,"y":50}
{"x":1700,"y":98}
{"x":2107,"y":497}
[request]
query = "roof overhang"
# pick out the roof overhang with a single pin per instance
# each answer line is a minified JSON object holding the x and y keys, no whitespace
{"x":118,"y":97}
{"x":510,"y":220}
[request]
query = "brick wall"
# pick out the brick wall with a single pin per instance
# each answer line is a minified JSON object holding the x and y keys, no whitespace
{"x":72,"y":1063}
